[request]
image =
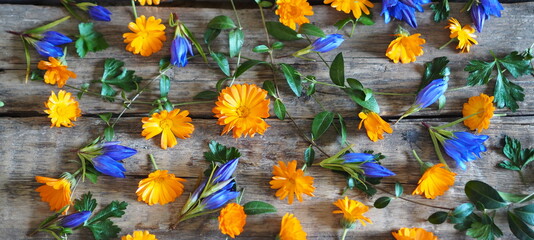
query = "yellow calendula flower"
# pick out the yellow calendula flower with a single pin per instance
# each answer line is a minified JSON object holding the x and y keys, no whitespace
{"x":170,"y":124}
{"x":435,"y":181}
{"x":56,"y":192}
{"x":465,"y":35}
{"x":232,"y":219}
{"x":147,"y":37}
{"x":149,"y":2}
{"x":62,"y":109}
{"x":56,"y":72}
{"x":356,"y":6}
{"x":405,"y":47}
{"x":483,"y":107}
{"x":242,"y":108}
{"x":352,"y":210}
{"x":291,"y":229}
{"x":291,"y":182}
{"x":293,"y":12}
{"x":140,"y":235}
{"x":413,"y":234}
{"x":160,"y":187}
{"x":374,"y":125}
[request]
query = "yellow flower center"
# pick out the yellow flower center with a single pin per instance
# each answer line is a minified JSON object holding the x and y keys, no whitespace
{"x":62,"y":109}
{"x":165,"y":124}
{"x":294,"y":10}
{"x":243,"y":112}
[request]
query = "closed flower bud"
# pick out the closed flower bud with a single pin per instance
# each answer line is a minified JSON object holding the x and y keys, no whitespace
{"x":180,"y":48}
{"x":106,"y":165}
{"x":55,"y":38}
{"x":47,"y":49}
{"x":75,"y":219}
{"x":328,"y":43}
{"x":225,"y":172}
{"x":99,"y":13}
{"x":375,"y":170}
{"x":220,"y":198}
{"x":116,"y":151}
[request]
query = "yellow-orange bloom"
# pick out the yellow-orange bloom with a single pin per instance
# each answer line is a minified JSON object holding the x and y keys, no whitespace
{"x":356,"y":6}
{"x":352,"y":210}
{"x":56,"y":72}
{"x":160,"y":187}
{"x":435,"y":181}
{"x":147,"y":37}
{"x":140,"y":235}
{"x":483,"y":107}
{"x":291,"y":181}
{"x":413,"y":234}
{"x":465,"y":35}
{"x":405,"y":48}
{"x":62,"y":109}
{"x":149,"y":2}
{"x":232,"y":220}
{"x":293,"y":12}
{"x":374,"y":125}
{"x":170,"y":124}
{"x":291,"y":229}
{"x":242,"y":108}
{"x":56,"y":192}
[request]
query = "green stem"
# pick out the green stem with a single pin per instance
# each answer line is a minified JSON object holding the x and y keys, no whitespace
{"x":74,"y":14}
{"x":500,"y":115}
{"x":190,"y":103}
{"x":455,"y":122}
{"x":327,"y":84}
{"x":409,"y":200}
{"x":417,"y":157}
{"x":449,"y":42}
{"x":238,"y":54}
{"x":235,"y":12}
{"x":153,"y":161}
{"x":134,"y":9}
{"x":394,"y":94}
{"x":353,"y":28}
{"x":345,"y":230}
{"x":28,"y":58}
{"x":265,"y":26}
{"x":436,"y":148}
{"x":458,"y":88}
{"x":82,"y":90}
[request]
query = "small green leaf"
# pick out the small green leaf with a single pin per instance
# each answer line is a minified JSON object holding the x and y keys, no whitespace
{"x":277,"y":45}
{"x":441,"y":10}
{"x":236,"y":38}
{"x":260,"y":49}
{"x":164,"y":85}
{"x":519,"y":228}
{"x":105,"y":117}
{"x":258,"y":207}
{"x":366,"y":20}
{"x":518,"y":158}
{"x":382,"y":202}
{"x":337,"y":70}
{"x":93,"y":177}
{"x":45,"y":27}
{"x":220,"y":83}
{"x":109,"y":133}
{"x":85,"y":203}
{"x":222,"y":61}
{"x":438,"y":217}
{"x":221,"y":22}
{"x":398,"y":189}
{"x":279,"y":109}
{"x":2,"y":104}
{"x":114,"y":209}
{"x":210,"y":35}
{"x":479,"y":72}
{"x":114,"y":74}
{"x":507,"y":93}
{"x":480,"y":192}
{"x":343,"y":129}
{"x":282,"y":32}
{"x":104,"y":230}
{"x":246,"y":66}
{"x":461,"y":212}
{"x":484,"y":230}
{"x":311,"y":89}
{"x":516,"y":198}
{"x":164,"y":63}
{"x":359,"y":98}
{"x":266,"y":4}
{"x":341,"y":23}
{"x":220,"y":153}
{"x":268,"y":85}
{"x":355,"y":84}
{"x":310,"y":29}
{"x":526,"y":213}
{"x":206,"y":95}
{"x":516,"y":64}
{"x":321,"y":123}
{"x":309,"y":156}
{"x":89,"y":40}
{"x":292,"y":78}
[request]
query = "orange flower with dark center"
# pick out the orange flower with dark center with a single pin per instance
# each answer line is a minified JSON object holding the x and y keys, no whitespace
{"x":56,"y":72}
{"x":482,"y":107}
{"x":465,"y":35}
{"x":160,"y":187}
{"x":435,"y":181}
{"x":147,"y":37}
{"x":405,"y":48}
{"x":293,"y":12}
{"x":56,"y":192}
{"x":352,"y":210}
{"x":413,"y":234}
{"x":291,"y":182}
{"x":232,"y":219}
{"x":170,"y":124}
{"x":374,"y":125}
{"x":291,"y":229}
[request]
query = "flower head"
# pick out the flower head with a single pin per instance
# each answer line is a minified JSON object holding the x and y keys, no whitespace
{"x":465,"y":35}
{"x":403,"y":10}
{"x":352,"y":210}
{"x":75,"y":219}
{"x":170,"y":124}
{"x":464,"y":147}
{"x":225,"y":172}
{"x":405,"y":47}
{"x":56,"y":192}
{"x":291,"y":229}
{"x":108,"y":166}
{"x":180,"y":48}
{"x":232,"y":219}
{"x":139,"y":235}
{"x":368,"y":166}
{"x":149,"y":2}
{"x":356,"y":6}
{"x":413,"y":234}
{"x":481,"y":11}
{"x":160,"y":187}
{"x":242,"y":108}
{"x":47,"y":49}
{"x":328,"y":43}
{"x":117,"y":152}
{"x":435,"y":181}
{"x":483,"y":107}
{"x":374,"y":125}
{"x":62,"y":109}
{"x":99,"y":13}
{"x":293,"y":12}
{"x":431,"y":93}
{"x":55,"y":38}
{"x":147,"y":37}
{"x":291,"y":182}
{"x":56,"y":72}
{"x":221,"y":197}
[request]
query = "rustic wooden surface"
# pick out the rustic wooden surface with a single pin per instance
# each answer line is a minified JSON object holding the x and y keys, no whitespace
{"x":30,"y":147}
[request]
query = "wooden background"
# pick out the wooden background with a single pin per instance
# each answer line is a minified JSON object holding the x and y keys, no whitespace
{"x":29,"y":147}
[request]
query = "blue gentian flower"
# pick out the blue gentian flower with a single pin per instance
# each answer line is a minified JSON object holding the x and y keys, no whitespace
{"x":482,"y":11}
{"x":465,"y":147}
{"x":358,"y":157}
{"x":220,"y":198}
{"x":108,"y":166}
{"x":55,"y":38}
{"x":180,"y":47}
{"x":375,"y":170}
{"x":403,"y":10}
{"x":431,"y":93}
{"x":116,"y":151}
{"x":75,"y":219}
{"x":225,"y":171}
{"x":47,"y":49}
{"x":328,"y":43}
{"x":99,"y":13}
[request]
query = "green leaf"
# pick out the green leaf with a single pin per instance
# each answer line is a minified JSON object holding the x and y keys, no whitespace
{"x":507,"y":93}
{"x":220,"y":83}
{"x":516,"y":64}
{"x":266,"y":4}
{"x":438,"y":217}
{"x":220,"y":153}
{"x":398,"y":189}
{"x":277,"y":45}
{"x":321,"y":123}
{"x":382,"y":202}
{"x":355,"y":84}
{"x":343,"y":129}
{"x":236,"y":38}
{"x":359,"y":98}
{"x":222,"y":62}
{"x":441,"y":102}
{"x":337,"y":70}
{"x":2,"y":104}
{"x":526,"y":213}
{"x":47,"y":26}
{"x":109,"y":133}
{"x":221,"y":22}
{"x":85,"y":203}
{"x":293,"y":78}
{"x":260,"y":49}
{"x":114,"y":209}
{"x":211,"y":34}
{"x":435,"y":69}
{"x":441,"y":10}
{"x":279,"y":109}
{"x":480,"y":192}
{"x":282,"y":32}
{"x":164,"y":85}
{"x":311,"y":89}
{"x":104,"y":230}
{"x":310,"y":29}
{"x":516,"y":198}
{"x":105,"y":117}
{"x":90,"y":40}
{"x":459,"y":214}
{"x":366,"y":20}
{"x":83,"y":88}
{"x":206,"y":95}
{"x":479,"y":72}
{"x":113,"y":75}
{"x":519,"y":228}
{"x":246,"y":66}
{"x":484,"y":230}
{"x":309,"y":156}
{"x":268,"y":85}
{"x":164,"y":63}
{"x":93,"y":177}
{"x":258,"y":207}
{"x":518,"y":158}
{"x":341,"y":23}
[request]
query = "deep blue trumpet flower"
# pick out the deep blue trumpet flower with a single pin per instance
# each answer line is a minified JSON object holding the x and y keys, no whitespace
{"x":431,"y":93}
{"x":358,"y":157}
{"x":482,"y":11}
{"x":47,"y":49}
{"x":225,"y":172}
{"x":180,"y":48}
{"x":375,"y":170}
{"x":55,"y":38}
{"x":108,"y":166}
{"x":99,"y":13}
{"x":116,"y":151}
{"x":465,"y":147}
{"x":403,"y":10}
{"x":220,"y":198}
{"x":328,"y":43}
{"x":75,"y":219}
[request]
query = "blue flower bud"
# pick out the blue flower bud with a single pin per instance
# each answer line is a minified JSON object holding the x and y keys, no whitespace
{"x":403,"y":10}
{"x":106,"y":165}
{"x":75,"y":219}
{"x":328,"y":43}
{"x":180,"y":47}
{"x":375,"y":170}
{"x":99,"y":13}
{"x":55,"y":38}
{"x":465,"y":147}
{"x":478,"y":16}
{"x":220,"y":198}
{"x":431,"y":93}
{"x":47,"y":49}
{"x":482,"y":11}
{"x":358,"y":157}
{"x":117,"y":152}
{"x":225,"y":171}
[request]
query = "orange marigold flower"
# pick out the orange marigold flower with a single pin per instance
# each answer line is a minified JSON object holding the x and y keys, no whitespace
{"x":56,"y":192}
{"x":291,"y":181}
{"x":291,"y":229}
{"x":465,"y":35}
{"x":413,"y":234}
{"x":374,"y":125}
{"x":147,"y":37}
{"x":293,"y":12}
{"x":356,"y":6}
{"x":232,"y":219}
{"x":56,"y":72}
{"x":352,"y":210}
{"x":482,"y":107}
{"x":435,"y":181}
{"x":149,"y":2}
{"x":170,"y":124}
{"x":242,"y":108}
{"x":160,"y":187}
{"x":62,"y":109}
{"x":405,"y":47}
{"x":140,"y":235}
